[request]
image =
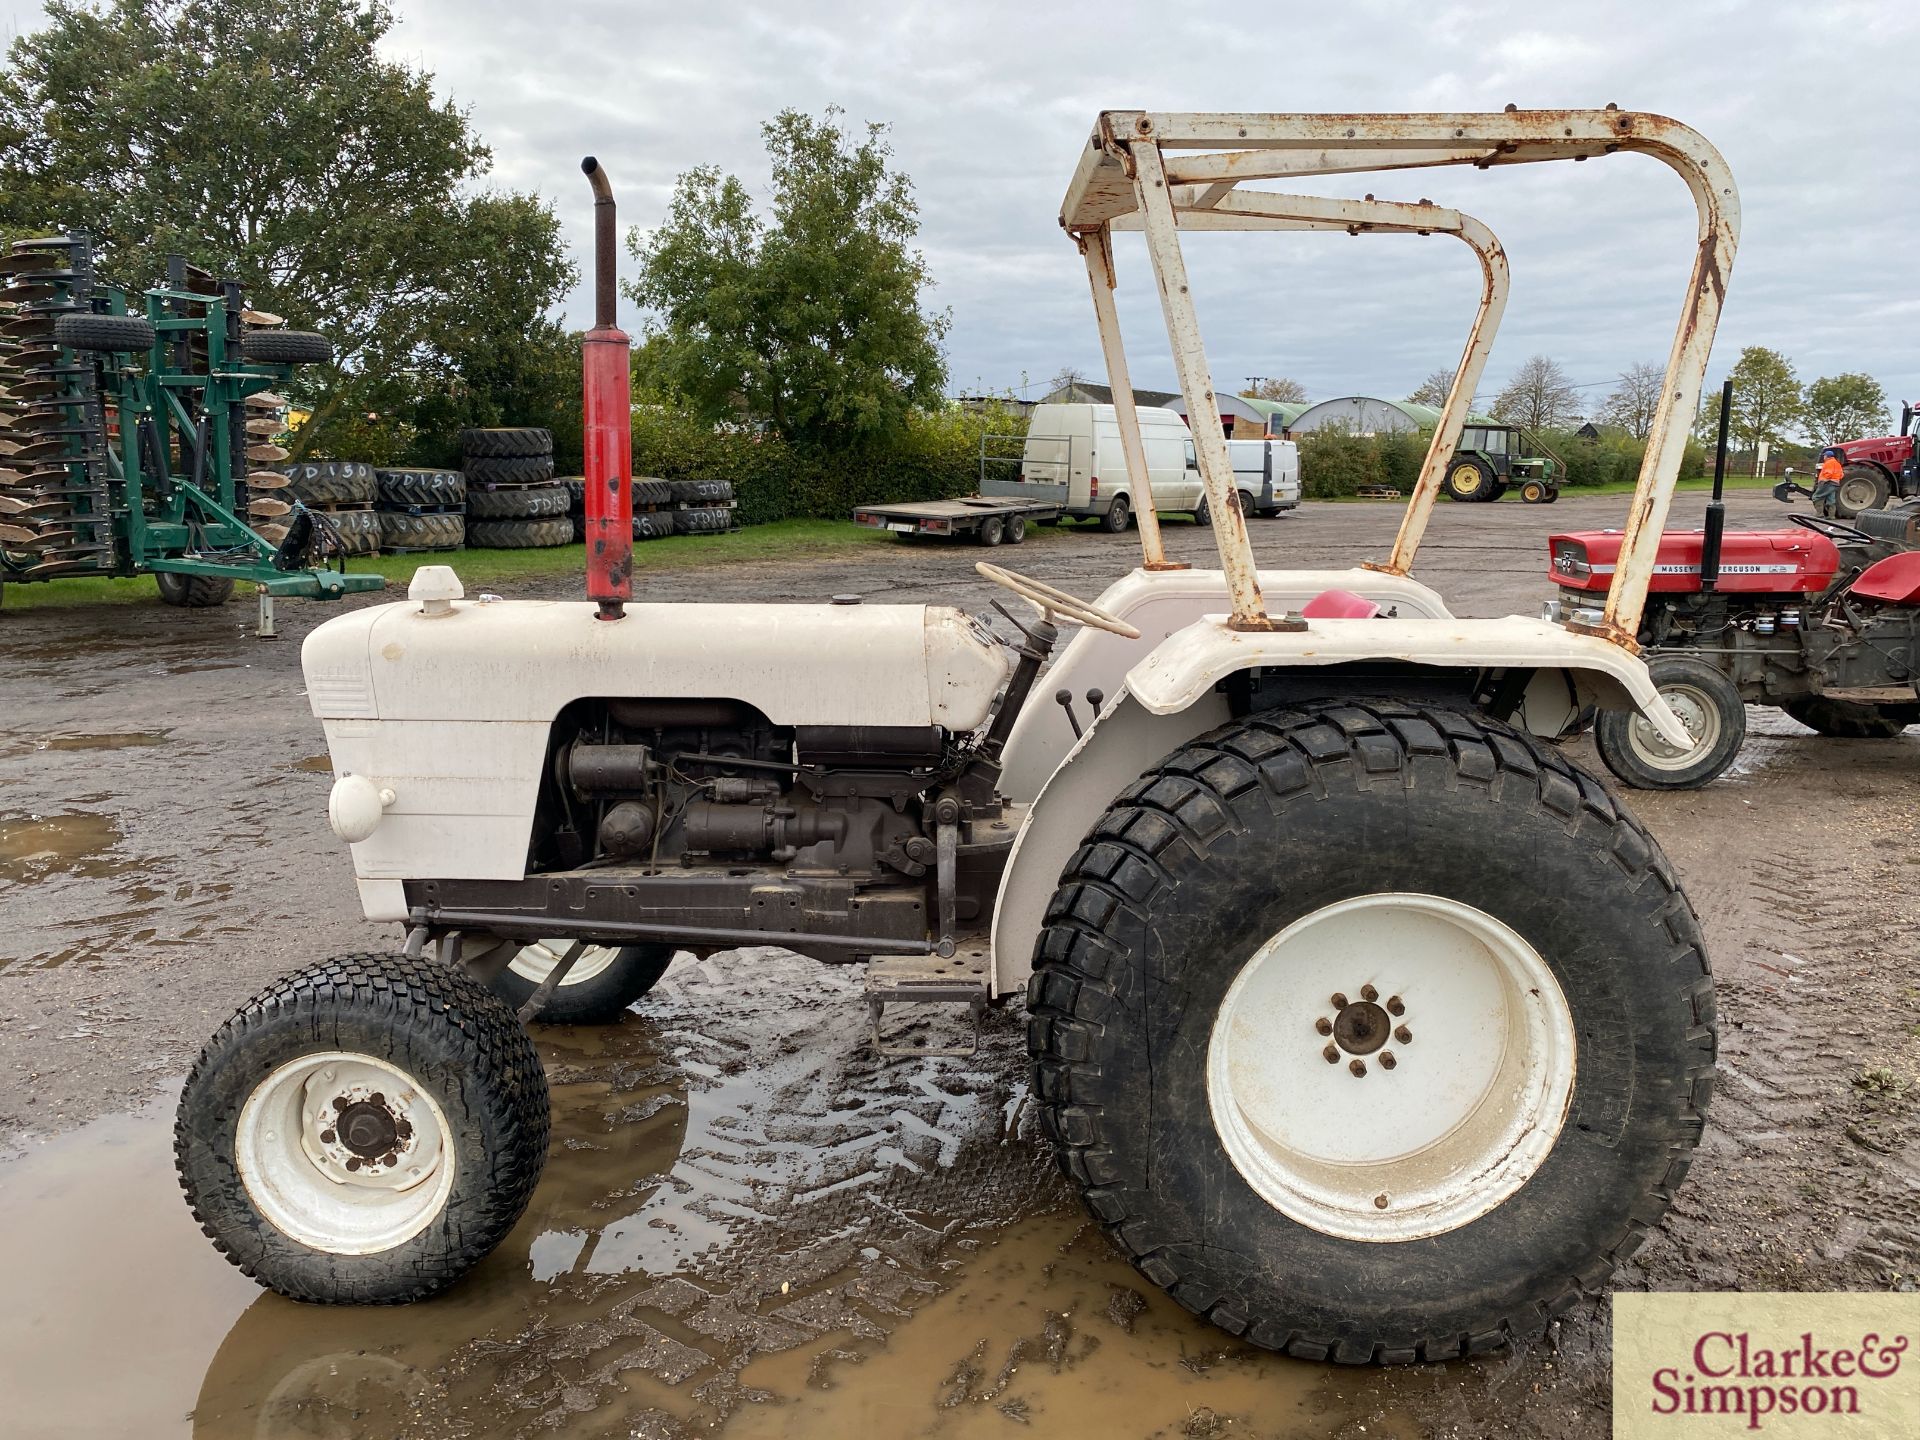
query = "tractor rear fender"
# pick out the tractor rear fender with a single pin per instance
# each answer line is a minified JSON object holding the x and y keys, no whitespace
{"x":1176,"y":694}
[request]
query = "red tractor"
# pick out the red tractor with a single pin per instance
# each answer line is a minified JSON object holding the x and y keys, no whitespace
{"x":1821,"y":619}
{"x":1877,"y":471}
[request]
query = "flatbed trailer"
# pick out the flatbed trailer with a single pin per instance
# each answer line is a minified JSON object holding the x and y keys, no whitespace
{"x":987,"y":519}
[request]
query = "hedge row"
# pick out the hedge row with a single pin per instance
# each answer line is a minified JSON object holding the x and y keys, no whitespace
{"x":1335,"y":462}
{"x":935,"y":458}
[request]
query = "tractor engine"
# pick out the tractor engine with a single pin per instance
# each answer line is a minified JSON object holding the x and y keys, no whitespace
{"x":689,"y":782}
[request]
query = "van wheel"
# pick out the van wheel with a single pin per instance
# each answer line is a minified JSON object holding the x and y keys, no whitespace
{"x":1119,"y":515}
{"x":991,"y":532}
{"x":1204,"y":515}
{"x":1395,"y":1113}
{"x":1707,"y":703}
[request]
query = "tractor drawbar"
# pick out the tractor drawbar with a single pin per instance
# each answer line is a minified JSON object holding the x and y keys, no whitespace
{"x":605,"y":365}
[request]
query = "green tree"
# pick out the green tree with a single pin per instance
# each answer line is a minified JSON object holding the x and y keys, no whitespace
{"x":1767,"y":402}
{"x":810,"y":318}
{"x":269,"y":141}
{"x":1845,"y":407}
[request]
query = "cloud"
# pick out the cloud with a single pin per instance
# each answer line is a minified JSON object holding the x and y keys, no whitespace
{"x":989,"y":104}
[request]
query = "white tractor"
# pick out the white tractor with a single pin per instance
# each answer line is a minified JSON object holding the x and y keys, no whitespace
{"x":1367,"y":1024}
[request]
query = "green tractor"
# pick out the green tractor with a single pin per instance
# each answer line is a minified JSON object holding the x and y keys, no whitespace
{"x":136,"y":431}
{"x":1492,"y":458}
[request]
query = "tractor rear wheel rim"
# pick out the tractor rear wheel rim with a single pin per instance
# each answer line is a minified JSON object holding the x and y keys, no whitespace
{"x":1395,"y":1136}
{"x":536,"y":961}
{"x":344,"y":1153}
{"x":1696,"y":711}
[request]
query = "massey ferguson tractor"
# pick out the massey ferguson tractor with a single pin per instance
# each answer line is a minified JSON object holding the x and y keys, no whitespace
{"x":1367,"y":1024}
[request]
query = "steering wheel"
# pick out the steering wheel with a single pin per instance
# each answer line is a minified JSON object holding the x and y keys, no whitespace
{"x":1836,"y":530}
{"x":1057,"y":602}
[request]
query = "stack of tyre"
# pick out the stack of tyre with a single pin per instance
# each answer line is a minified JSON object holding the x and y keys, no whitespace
{"x":513,"y":501}
{"x":343,"y":492}
{"x":422,"y":510}
{"x":682,"y":507}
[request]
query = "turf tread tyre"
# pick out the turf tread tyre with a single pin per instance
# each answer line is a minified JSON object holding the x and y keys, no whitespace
{"x":1311,"y":770}
{"x":331,"y":482}
{"x":600,"y":1000}
{"x":193,"y":592}
{"x":436,"y":530}
{"x":104,"y":334}
{"x":700,"y":492}
{"x":1845,"y":720}
{"x":519,"y":534}
{"x":286,"y":347}
{"x":535,"y":502}
{"x":702,"y":520}
{"x":506,"y":443}
{"x":443,"y":1026}
{"x":426,"y":489}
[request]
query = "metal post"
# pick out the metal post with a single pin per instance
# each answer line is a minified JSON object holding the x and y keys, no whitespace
{"x":264,"y":630}
{"x":1190,"y":365}
{"x":1097,"y":246}
{"x":1716,"y":507}
{"x":1466,"y":380}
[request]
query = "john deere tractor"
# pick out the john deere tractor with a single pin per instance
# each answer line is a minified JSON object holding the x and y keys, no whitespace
{"x":135,"y":431}
{"x":1492,"y":458}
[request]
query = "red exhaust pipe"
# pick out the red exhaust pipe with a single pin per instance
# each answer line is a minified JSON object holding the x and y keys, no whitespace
{"x":606,"y":360}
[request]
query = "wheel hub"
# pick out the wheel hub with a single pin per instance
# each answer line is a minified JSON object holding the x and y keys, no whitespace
{"x":1362,"y":1027}
{"x":1694,"y":712}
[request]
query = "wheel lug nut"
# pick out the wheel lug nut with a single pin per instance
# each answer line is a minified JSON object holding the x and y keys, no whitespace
{"x":1358,"y":1067}
{"x":1323,"y":1025}
{"x":1339,"y":1000}
{"x":326,"y":1137}
{"x":1387,"y":1062}
{"x":1368,"y":993}
{"x":1403,"y":1035}
{"x":1394,"y":1006}
{"x":1332,"y":1052}
{"x":1379,"y":1202}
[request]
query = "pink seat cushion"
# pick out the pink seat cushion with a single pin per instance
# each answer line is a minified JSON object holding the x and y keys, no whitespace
{"x":1339,"y":605}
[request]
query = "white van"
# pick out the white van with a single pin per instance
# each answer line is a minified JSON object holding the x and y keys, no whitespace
{"x":1072,"y":456}
{"x":1267,"y":475}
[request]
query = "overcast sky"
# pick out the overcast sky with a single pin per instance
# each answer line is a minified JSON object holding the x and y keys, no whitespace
{"x":990,"y":103}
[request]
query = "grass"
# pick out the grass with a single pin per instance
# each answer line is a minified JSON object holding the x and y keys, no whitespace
{"x":782,"y":540}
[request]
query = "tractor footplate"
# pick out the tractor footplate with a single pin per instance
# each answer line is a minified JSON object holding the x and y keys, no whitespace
{"x":958,"y":979}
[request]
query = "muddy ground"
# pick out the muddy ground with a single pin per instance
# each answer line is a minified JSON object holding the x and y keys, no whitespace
{"x":749,"y":1224}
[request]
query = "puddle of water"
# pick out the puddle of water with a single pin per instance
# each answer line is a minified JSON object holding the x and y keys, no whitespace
{"x":33,"y":846}
{"x":314,"y":765}
{"x":128,"y":740}
{"x":1046,"y":1327}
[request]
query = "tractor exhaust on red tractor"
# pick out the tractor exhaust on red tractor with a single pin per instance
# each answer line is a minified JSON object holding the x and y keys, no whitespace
{"x":606,"y":381}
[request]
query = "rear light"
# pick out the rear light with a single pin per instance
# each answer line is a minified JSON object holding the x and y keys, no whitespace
{"x":861,"y":517}
{"x":1093,"y":488}
{"x":937,"y":527}
{"x":1569,"y":562}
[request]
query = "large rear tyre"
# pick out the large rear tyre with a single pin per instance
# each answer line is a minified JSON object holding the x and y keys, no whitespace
{"x":1862,"y":487}
{"x":1470,"y":480}
{"x":364,"y":1131}
{"x":597,"y":990}
{"x":1219,"y":987}
{"x":1707,"y":703}
{"x":1844,"y":720}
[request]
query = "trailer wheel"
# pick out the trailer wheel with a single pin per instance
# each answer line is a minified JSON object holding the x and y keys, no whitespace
{"x":1844,"y":720}
{"x":603,"y":982}
{"x":1119,"y":515}
{"x":1016,"y":529}
{"x":193,"y":592}
{"x":991,"y":532}
{"x":105,"y":334}
{"x":364,"y":1131}
{"x":1395,"y":1112}
{"x":1709,"y":706}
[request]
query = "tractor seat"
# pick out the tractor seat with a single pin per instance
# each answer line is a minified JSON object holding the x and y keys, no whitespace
{"x":1339,"y":605}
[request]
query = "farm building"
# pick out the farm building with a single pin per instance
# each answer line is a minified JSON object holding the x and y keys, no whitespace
{"x":1368,"y":415}
{"x":1240,"y":417}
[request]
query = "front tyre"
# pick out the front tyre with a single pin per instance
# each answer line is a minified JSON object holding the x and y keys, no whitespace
{"x":596,"y":990}
{"x":1394,"y":1111}
{"x":364,"y":1131}
{"x":1709,"y":706}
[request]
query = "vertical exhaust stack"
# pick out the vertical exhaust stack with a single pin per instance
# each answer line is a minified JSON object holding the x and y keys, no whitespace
{"x":606,"y":371}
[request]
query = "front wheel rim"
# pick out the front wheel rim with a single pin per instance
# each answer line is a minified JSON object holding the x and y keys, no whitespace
{"x":1858,"y":494}
{"x":536,"y":961}
{"x":1391,"y":1067}
{"x":345,"y":1153}
{"x":1696,"y":711}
